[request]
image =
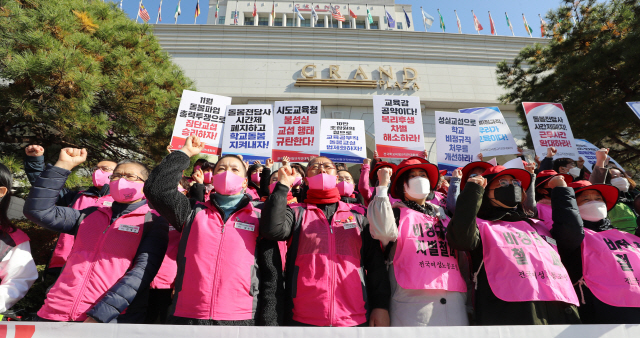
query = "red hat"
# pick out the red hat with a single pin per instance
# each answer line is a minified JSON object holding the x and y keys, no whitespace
{"x":469,"y":167}
{"x":414,"y":163}
{"x":546,"y":176}
{"x":373,"y":174}
{"x":609,"y":193}
{"x":519,"y":174}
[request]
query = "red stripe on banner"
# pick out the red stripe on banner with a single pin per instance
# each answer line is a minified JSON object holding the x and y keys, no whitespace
{"x":386,"y":151}
{"x":294,"y":156}
{"x":25,"y":331}
{"x":529,"y":106}
{"x":176,"y":144}
{"x":3,"y":331}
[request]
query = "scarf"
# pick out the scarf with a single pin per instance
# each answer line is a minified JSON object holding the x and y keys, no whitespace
{"x":601,"y":225}
{"x":227,"y":203}
{"x":493,"y":213}
{"x":315,"y":196}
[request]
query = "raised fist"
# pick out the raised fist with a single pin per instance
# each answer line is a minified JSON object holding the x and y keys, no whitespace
{"x":34,"y":150}
{"x":479,"y":180}
{"x":551,"y":152}
{"x":457,"y":173}
{"x":269,"y":163}
{"x":384,"y":176}
{"x":71,"y":157}
{"x":557,"y":181}
{"x":192,"y":146}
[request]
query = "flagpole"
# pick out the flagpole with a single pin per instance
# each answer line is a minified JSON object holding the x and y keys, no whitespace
{"x":138,"y":15}
{"x":384,"y":8}
{"x":331,"y":12}
{"x":235,"y":15}
{"x":541,"y":25}
{"x":422,"y":13}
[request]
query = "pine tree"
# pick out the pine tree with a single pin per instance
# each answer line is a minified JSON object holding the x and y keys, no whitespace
{"x":592,"y":68}
{"x":80,"y":73}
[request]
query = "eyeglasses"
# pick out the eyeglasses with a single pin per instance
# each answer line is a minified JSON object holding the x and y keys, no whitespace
{"x":505,"y":182}
{"x":128,"y":177}
{"x":326,"y":166}
{"x":103,"y":168}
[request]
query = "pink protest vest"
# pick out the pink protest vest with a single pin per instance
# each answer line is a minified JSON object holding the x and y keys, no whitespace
{"x":544,"y":214}
{"x":611,"y":266}
{"x":219,"y":260}
{"x":65,"y":241}
{"x":422,"y":260}
{"x":521,"y":265}
{"x":329,"y":290}
{"x":167,"y":274}
{"x":439,"y":199}
{"x":101,"y":255}
{"x":251,"y":191}
{"x":18,"y":237}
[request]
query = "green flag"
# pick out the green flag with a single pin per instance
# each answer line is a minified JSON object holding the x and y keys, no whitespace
{"x":442,"y":26}
{"x":369,"y":16}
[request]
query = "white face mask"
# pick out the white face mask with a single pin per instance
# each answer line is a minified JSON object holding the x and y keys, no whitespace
{"x":593,"y":211}
{"x":418,"y":187}
{"x":621,"y":183}
{"x":575,"y":172}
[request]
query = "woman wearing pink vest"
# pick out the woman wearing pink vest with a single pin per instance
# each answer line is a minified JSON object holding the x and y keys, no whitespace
{"x":543,"y":195}
{"x":253,"y":179}
{"x":427,"y":288}
{"x":335,"y":273}
{"x":117,"y":250}
{"x":604,"y":263}
{"x":97,"y":195}
{"x":369,"y":177}
{"x":227,"y":274}
{"x":519,"y":278}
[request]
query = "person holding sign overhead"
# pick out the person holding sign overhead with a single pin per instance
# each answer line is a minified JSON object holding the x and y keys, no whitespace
{"x":426,"y":283}
{"x":335,"y":273}
{"x":519,"y":278}
{"x":226,"y":273}
{"x":603,"y":262}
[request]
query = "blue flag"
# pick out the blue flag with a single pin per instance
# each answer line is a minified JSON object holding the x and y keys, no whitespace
{"x":407,"y":17}
{"x":390,"y":22}
{"x":295,"y":9}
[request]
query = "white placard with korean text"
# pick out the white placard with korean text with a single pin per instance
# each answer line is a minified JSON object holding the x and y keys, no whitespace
{"x":549,"y":127}
{"x":296,"y":126}
{"x":587,"y":151}
{"x":398,"y":126}
{"x":343,"y":141}
{"x":456,"y":140}
{"x":200,"y":114}
{"x":248,"y":131}
{"x":495,"y":136}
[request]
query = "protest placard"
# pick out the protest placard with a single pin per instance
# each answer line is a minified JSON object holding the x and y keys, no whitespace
{"x":456,"y":140}
{"x":495,"y":136}
{"x":635,"y":106}
{"x":587,"y":151}
{"x":398,"y":126}
{"x":549,"y":127}
{"x":248,"y":131}
{"x":297,"y":130}
{"x":343,"y":140}
{"x":200,"y":114}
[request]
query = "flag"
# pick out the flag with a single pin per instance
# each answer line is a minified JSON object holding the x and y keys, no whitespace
{"x":458,"y":21}
{"x":217,"y":9}
{"x":255,"y":9}
{"x":526,"y":25}
{"x":295,"y":10}
{"x":509,"y":23}
{"x":390,"y":22}
{"x":178,"y":12}
{"x":543,"y":24}
{"x":427,"y":19}
{"x":142,"y":12}
{"x":335,"y":13}
{"x":352,"y":14}
{"x":314,"y":16}
{"x":369,"y":16}
{"x":406,"y":17}
{"x":197,"y":14}
{"x":121,"y":4}
{"x":235,"y":17}
{"x":476,"y":23}
{"x":273,"y":10}
{"x":493,"y":25}
{"x":442,"y":21}
{"x":159,"y":12}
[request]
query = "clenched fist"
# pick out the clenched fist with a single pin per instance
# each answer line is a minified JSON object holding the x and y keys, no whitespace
{"x":71,"y":157}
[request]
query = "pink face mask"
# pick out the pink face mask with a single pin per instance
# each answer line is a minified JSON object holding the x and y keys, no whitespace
{"x":207,"y":177}
{"x":345,"y":188}
{"x":181,"y":189}
{"x":124,"y":191}
{"x":297,"y":181}
{"x":322,"y":182}
{"x":255,"y":178}
{"x":100,"y":178}
{"x":272,"y":186}
{"x":227,"y":183}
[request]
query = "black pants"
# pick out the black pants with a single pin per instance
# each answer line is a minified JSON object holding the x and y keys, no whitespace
{"x":158,"y":305}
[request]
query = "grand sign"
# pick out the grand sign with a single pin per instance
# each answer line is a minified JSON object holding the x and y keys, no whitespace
{"x":385,"y":78}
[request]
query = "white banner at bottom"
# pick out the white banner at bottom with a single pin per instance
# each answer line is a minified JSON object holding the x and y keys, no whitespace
{"x":79,"y":330}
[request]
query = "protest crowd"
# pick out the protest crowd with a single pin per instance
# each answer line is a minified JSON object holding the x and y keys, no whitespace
{"x":278,"y":243}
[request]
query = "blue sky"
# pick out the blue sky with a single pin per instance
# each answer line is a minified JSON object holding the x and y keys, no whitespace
{"x":515,"y":9}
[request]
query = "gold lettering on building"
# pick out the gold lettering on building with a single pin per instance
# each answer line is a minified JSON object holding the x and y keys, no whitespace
{"x":385,"y":79}
{"x":307,"y":75}
{"x":361,"y":73}
{"x":389,"y":73}
{"x":333,"y":72}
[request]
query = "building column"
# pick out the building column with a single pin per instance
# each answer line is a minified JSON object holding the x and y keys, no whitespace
{"x":339,"y":24}
{"x":326,"y":22}
{"x":284,"y":19}
{"x":297,"y":21}
{"x":353,"y":23}
{"x":270,"y":19}
{"x":255,"y":19}
{"x":367,"y":25}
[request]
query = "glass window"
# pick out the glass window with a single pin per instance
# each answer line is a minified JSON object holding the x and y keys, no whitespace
{"x":277,"y":22}
{"x":221,"y":20}
{"x":305,"y":23}
{"x":374,"y":25}
{"x":263,"y":21}
{"x":248,"y":20}
{"x":346,"y":23}
{"x":290,"y":22}
{"x":399,"y":25}
{"x":361,"y":25}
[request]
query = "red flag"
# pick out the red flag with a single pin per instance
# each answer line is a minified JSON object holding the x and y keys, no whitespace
{"x":353,"y":15}
{"x":493,"y":25}
{"x":477,"y":23}
{"x":255,"y":10}
{"x":142,"y":12}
